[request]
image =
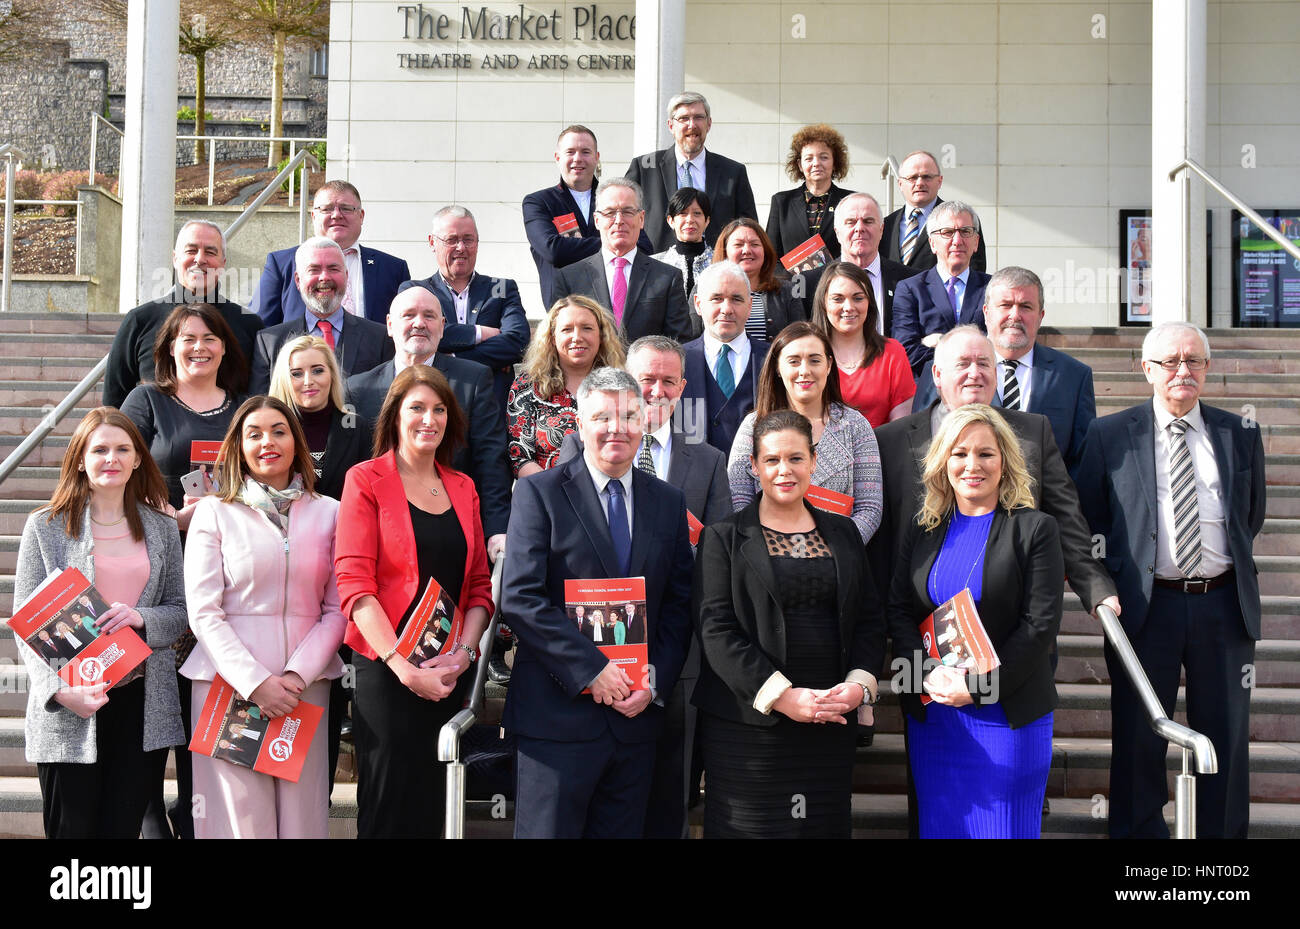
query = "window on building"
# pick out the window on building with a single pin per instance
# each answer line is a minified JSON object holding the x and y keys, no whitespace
{"x":320,"y":61}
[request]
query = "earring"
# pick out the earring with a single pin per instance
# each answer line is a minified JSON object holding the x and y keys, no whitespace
{"x":81,"y":467}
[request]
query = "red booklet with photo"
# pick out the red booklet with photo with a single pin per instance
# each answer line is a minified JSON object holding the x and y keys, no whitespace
{"x":611,"y":613}
{"x":806,"y":256}
{"x":567,"y":225}
{"x":695,"y":527}
{"x":433,"y":628}
{"x":58,"y":623}
{"x":204,"y":454}
{"x":237,"y":731}
{"x":830,"y":500}
{"x":954,"y":636}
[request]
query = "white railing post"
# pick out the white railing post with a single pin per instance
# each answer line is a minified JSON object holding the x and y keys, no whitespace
{"x":10,"y":153}
{"x":94,"y":144}
{"x":292,"y":151}
{"x":212,"y":169}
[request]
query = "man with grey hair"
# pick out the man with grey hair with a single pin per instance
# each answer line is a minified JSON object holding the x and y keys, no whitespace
{"x":485,"y":317}
{"x":645,"y":296}
{"x":197,"y":263}
{"x":686,"y":163}
{"x":722,"y":365}
{"x":904,"y":239}
{"x":1176,"y":490}
{"x":949,"y":294}
{"x":586,"y":724}
{"x":322,"y":279}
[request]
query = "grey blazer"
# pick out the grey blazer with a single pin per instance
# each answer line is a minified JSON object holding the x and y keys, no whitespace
{"x":56,"y":734}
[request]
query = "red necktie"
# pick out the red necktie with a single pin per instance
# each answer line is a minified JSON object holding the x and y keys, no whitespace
{"x":327,"y":331}
{"x":619,"y":291}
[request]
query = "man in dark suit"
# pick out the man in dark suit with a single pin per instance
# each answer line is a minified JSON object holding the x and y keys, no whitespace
{"x":585,"y":761}
{"x":1036,"y":378}
{"x":717,"y":398}
{"x":1176,"y":488}
{"x":687,"y":164}
{"x":321,"y":277}
{"x":647,"y":297}
{"x":857,"y":227}
{"x":949,"y":294}
{"x":373,"y":276}
{"x":485,"y":318}
{"x":570,"y":204}
{"x":905,"y":241}
{"x":415,"y":324}
{"x":197,"y":260}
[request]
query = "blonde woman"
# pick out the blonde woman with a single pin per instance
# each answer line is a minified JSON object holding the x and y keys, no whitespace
{"x":980,"y":752}
{"x":576,"y":336}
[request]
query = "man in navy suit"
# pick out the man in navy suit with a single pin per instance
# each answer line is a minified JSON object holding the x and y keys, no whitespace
{"x":646,"y":297}
{"x":1176,"y":488}
{"x":585,"y":761}
{"x":1046,"y":381}
{"x":687,"y":164}
{"x":904,"y":240}
{"x":485,"y":320}
{"x":949,"y":294}
{"x":321,"y":277}
{"x":373,"y":276}
{"x":709,"y":410}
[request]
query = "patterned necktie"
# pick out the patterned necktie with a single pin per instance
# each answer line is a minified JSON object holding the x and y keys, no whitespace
{"x":618,"y":294}
{"x":618,"y":530}
{"x":349,"y":300}
{"x":327,"y":332}
{"x":688,"y":181}
{"x":645,"y":461}
{"x":725,"y":377}
{"x":1010,"y":386}
{"x":1182,"y":487}
{"x":911,"y":235}
{"x":952,"y":298}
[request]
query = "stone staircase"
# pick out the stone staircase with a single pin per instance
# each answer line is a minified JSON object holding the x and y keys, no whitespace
{"x":1256,"y":372}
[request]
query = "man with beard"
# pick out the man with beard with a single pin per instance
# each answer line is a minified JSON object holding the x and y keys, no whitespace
{"x":321,"y":277}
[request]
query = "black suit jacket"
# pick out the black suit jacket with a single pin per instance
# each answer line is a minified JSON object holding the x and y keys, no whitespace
{"x":738,"y":617}
{"x":922,"y":307}
{"x":717,"y":423}
{"x":130,"y":358}
{"x":1117,"y":486}
{"x":277,"y":297}
{"x":558,"y":532}
{"x":484,"y":460}
{"x":787,"y":220}
{"x":1020,"y":607}
{"x":903,"y":444}
{"x":656,"y":295}
{"x":351,"y":440}
{"x":922,"y":256}
{"x":891,"y":275}
{"x":725,"y":181}
{"x":365,"y":345}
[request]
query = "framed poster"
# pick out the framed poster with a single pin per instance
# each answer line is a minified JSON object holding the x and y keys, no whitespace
{"x":1135,"y":233}
{"x":1265,"y":279}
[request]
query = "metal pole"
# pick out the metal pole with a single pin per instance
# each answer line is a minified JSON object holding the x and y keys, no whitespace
{"x":1185,"y":803}
{"x":292,"y":147}
{"x":76,"y":260}
{"x":10,"y":154}
{"x":212,"y":169}
{"x":454,"y":828}
{"x":302,"y":204}
{"x":94,"y":144}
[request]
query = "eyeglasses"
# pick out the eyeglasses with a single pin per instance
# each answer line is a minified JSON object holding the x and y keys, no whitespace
{"x":455,"y":241}
{"x":626,"y":213}
{"x":693,"y":118}
{"x":948,"y":232}
{"x":923,"y":178}
{"x":1195,"y":363}
{"x":328,"y":208}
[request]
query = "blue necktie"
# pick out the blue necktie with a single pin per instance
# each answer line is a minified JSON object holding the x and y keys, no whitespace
{"x":618,"y":531}
{"x":725,"y":377}
{"x":952,"y":298}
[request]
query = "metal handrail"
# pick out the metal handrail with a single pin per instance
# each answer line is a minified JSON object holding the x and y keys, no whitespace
{"x":1188,"y":740}
{"x":8,"y":152}
{"x":454,"y":729}
{"x":889,"y":169}
{"x":212,"y":153}
{"x":95,"y":120}
{"x":52,"y":418}
{"x":1290,"y":247}
{"x":269,"y":191}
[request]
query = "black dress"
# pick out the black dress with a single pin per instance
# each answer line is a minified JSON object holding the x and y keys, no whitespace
{"x":791,"y":780}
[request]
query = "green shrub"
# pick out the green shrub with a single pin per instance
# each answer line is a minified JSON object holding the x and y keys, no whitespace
{"x":318,"y":149}
{"x":187,"y":114}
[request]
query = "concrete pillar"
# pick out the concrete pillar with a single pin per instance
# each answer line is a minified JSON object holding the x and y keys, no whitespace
{"x":660,"y":70}
{"x":148,"y":179}
{"x":1178,"y":254}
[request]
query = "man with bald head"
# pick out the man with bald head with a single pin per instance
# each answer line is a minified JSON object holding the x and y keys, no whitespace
{"x":905,"y":240}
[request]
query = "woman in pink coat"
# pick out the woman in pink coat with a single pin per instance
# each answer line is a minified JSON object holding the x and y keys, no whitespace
{"x":259,"y":585}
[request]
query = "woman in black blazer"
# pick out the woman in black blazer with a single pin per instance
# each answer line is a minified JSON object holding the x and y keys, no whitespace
{"x":772,"y":302}
{"x":979,"y":753}
{"x":789,"y":621}
{"x":818,"y":156}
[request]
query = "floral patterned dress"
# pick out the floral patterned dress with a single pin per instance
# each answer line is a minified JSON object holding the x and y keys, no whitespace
{"x":538,"y":427}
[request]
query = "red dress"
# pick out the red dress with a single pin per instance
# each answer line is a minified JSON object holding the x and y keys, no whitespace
{"x":877,"y":388}
{"x":538,"y":427}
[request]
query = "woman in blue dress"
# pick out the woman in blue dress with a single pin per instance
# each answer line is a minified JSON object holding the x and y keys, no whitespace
{"x":980,"y":752}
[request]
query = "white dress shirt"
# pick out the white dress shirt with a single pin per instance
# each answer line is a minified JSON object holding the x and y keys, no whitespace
{"x":1024,"y":375}
{"x":1215,"y":558}
{"x":356,"y":278}
{"x":582,"y":199}
{"x":740,"y":351}
{"x":878,"y":289}
{"x":697,"y":170}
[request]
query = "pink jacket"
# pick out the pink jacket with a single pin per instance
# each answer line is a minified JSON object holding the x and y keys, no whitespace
{"x":260,"y":604}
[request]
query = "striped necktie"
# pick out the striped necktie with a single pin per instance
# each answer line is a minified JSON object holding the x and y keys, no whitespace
{"x":1182,"y":487}
{"x":644,"y":460}
{"x":1010,"y":386}
{"x":912,"y":234}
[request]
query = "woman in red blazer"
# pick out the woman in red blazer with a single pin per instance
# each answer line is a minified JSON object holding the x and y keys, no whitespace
{"x":406,"y":519}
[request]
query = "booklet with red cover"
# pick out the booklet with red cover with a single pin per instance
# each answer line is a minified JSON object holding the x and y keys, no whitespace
{"x":567,"y":225}
{"x":830,"y":500}
{"x":806,"y":256}
{"x":237,"y":731}
{"x":611,"y":613}
{"x":58,"y":623}
{"x":433,"y":628}
{"x":695,"y":527}
{"x":954,"y":636}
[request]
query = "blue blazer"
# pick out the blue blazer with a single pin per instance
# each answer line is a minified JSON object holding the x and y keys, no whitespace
{"x":1117,"y":490}
{"x":921,"y":306}
{"x":277,"y":296}
{"x":558,"y":531}
{"x":707,"y":414}
{"x":493,"y":301}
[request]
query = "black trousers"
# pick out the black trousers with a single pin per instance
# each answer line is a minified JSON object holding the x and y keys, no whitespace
{"x":181,"y":812}
{"x":401,"y":787}
{"x":582,"y":790}
{"x":105,"y":799}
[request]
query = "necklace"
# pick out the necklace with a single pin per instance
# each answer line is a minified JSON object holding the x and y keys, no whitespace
{"x":113,"y":523}
{"x":432,"y":490}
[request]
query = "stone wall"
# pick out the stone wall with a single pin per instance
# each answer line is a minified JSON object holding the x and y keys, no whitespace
{"x":45,"y":107}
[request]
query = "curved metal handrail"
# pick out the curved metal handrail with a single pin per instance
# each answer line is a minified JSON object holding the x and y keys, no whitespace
{"x":888,"y":170}
{"x":1188,"y":164}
